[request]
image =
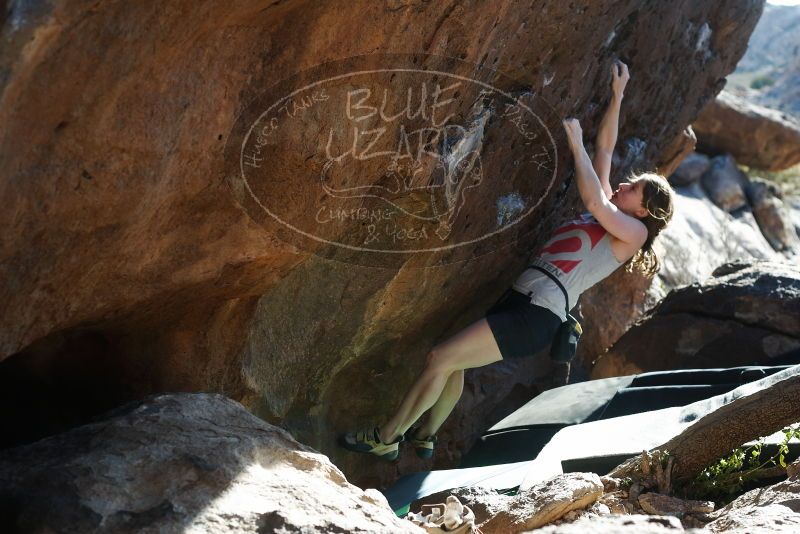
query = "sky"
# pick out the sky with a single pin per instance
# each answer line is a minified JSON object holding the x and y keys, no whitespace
{"x":784,"y":2}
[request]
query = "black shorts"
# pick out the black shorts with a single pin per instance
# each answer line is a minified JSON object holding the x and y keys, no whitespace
{"x":519,"y":327}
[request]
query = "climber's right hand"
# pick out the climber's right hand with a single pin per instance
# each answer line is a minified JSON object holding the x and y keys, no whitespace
{"x":619,"y":77}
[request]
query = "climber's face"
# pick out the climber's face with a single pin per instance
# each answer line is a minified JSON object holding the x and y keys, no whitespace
{"x":628,"y":198}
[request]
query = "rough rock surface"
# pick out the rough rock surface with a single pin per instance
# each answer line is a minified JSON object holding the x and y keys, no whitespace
{"x":633,"y":524}
{"x":702,"y":237}
{"x":745,"y":314}
{"x":756,"y":136}
{"x":761,"y":520}
{"x":785,"y":493}
{"x":676,"y":152}
{"x":183,"y":463}
{"x":772,"y":509}
{"x":793,"y":205}
{"x":660,"y":504}
{"x":544,"y":503}
{"x":131,"y":266}
{"x":725,"y":183}
{"x":772,"y":215}
{"x":690,"y":169}
{"x":793,"y":468}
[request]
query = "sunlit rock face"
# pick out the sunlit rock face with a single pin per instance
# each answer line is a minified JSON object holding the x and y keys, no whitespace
{"x":183,"y":463}
{"x":138,"y":256}
{"x":759,"y":137}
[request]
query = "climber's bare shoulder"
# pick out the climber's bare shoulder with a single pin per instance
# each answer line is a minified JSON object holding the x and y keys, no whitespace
{"x":623,"y":250}
{"x":618,"y":223}
{"x":627,"y":233}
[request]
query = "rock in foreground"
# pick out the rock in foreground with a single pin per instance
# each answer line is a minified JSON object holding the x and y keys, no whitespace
{"x":183,"y":463}
{"x":772,"y":215}
{"x":690,"y":169}
{"x":745,"y":314}
{"x":618,"y":524}
{"x":725,"y":183}
{"x":772,"y":509}
{"x":543,"y":503}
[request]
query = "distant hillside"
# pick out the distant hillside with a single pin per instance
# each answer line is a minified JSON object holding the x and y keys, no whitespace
{"x":769,"y":72}
{"x":784,"y":94}
{"x":775,"y":41}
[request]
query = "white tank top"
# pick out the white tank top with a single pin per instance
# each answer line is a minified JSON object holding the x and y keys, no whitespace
{"x":579,"y":255}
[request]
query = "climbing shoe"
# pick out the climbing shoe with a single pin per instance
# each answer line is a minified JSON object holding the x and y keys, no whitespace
{"x":368,"y":441}
{"x":424,"y":447}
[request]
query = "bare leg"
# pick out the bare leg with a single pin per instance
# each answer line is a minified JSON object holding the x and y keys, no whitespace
{"x":472,"y":347}
{"x":423,"y":395}
{"x":444,"y":406}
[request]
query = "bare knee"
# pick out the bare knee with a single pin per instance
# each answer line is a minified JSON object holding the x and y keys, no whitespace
{"x":440,"y":362}
{"x":429,"y":358}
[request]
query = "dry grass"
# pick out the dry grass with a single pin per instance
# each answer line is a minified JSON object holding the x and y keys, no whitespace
{"x":788,"y":180}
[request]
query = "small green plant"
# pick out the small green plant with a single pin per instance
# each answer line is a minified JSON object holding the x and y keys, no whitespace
{"x":759,"y":82}
{"x":729,"y":474}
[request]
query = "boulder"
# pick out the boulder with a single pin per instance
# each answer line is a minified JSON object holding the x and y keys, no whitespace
{"x":793,"y":205}
{"x":681,"y":148}
{"x":701,"y":237}
{"x":617,"y":502}
{"x":756,"y":136}
{"x":786,"y":493}
{"x":660,"y":504}
{"x":772,"y":509}
{"x":725,"y":182}
{"x":769,"y":519}
{"x":183,"y":463}
{"x":745,"y":314}
{"x":690,"y":169}
{"x":793,"y":468}
{"x":539,"y":505}
{"x":140,"y":260}
{"x":544,"y":503}
{"x":759,"y":293}
{"x":772,"y":216}
{"x":622,"y":524}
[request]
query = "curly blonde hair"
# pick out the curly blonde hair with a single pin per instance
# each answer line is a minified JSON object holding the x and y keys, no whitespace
{"x":657,"y":199}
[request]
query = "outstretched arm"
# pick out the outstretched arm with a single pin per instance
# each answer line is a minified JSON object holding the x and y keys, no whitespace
{"x":607,"y":134}
{"x":615,"y":221}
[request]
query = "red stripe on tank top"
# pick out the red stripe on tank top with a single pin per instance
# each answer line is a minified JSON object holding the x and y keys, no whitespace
{"x":570,"y":244}
{"x":594,"y":230}
{"x":566,"y":265}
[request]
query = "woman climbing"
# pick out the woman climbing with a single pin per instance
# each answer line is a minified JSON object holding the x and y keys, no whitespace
{"x":619,"y":228}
